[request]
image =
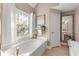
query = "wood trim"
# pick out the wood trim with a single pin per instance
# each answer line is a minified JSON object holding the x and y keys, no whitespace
{"x":61,"y":27}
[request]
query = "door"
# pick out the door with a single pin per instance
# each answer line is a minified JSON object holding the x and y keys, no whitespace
{"x":54,"y":29}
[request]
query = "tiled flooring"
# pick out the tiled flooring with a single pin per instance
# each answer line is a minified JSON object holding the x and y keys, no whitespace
{"x":57,"y":51}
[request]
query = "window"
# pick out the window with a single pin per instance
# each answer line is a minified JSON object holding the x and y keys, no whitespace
{"x":22,"y":23}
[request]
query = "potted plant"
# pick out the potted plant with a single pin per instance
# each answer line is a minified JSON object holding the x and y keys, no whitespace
{"x":43,"y":28}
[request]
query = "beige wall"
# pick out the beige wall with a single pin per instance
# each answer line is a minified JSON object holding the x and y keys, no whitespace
{"x":43,"y":9}
{"x":25,"y":7}
{"x":77,"y":24}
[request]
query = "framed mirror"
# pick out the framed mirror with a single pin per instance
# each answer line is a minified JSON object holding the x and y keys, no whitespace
{"x":67,"y":30}
{"x":40,"y":20}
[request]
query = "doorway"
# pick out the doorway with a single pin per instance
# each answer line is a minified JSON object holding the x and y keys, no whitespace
{"x":67,"y":28}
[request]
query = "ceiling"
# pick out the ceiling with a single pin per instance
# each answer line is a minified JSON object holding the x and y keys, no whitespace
{"x":66,"y":6}
{"x":60,"y":6}
{"x":32,"y":4}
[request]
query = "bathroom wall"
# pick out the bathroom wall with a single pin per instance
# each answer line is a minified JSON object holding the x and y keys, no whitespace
{"x":43,"y":9}
{"x":77,"y":24}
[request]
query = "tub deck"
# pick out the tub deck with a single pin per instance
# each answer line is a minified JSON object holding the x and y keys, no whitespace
{"x":31,"y":47}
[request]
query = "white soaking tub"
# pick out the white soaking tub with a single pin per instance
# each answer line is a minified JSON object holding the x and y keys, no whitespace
{"x":31,"y":47}
{"x":73,"y":48}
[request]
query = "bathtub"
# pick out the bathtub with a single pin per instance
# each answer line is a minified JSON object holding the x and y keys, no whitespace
{"x":31,"y":47}
{"x":73,"y":48}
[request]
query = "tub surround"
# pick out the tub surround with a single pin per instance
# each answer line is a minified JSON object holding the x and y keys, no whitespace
{"x":27,"y":47}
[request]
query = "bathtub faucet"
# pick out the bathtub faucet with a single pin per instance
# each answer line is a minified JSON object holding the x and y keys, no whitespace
{"x":17,"y":51}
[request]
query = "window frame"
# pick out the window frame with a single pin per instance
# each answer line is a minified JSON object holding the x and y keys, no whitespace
{"x":27,"y":14}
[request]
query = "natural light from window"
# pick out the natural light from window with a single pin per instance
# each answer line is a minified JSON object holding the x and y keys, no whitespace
{"x":22,"y":23}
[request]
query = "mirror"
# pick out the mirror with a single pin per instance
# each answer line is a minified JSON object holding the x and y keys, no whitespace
{"x":67,"y":28}
{"x":41,"y":20}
